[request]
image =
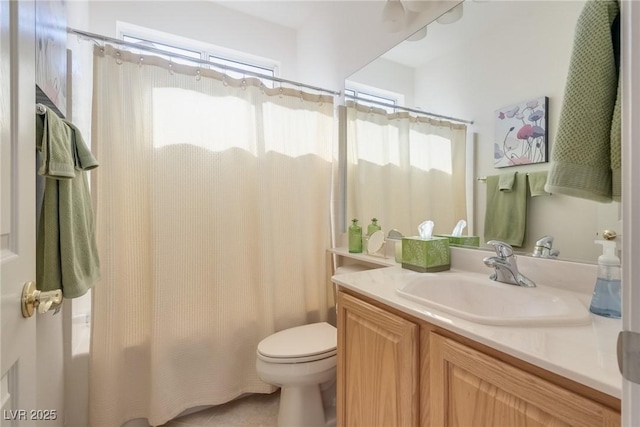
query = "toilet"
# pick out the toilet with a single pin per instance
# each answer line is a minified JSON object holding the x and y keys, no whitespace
{"x":302,"y":362}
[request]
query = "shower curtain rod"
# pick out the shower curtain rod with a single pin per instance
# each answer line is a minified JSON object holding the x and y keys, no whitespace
{"x":98,"y":37}
{"x":411,"y":110}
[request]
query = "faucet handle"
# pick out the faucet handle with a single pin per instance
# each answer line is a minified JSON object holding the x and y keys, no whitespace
{"x":504,"y":250}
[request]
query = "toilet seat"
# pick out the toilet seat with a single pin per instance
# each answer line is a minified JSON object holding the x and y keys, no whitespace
{"x":300,"y":344}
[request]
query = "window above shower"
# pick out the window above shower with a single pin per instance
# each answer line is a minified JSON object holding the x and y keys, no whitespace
{"x":219,"y":57}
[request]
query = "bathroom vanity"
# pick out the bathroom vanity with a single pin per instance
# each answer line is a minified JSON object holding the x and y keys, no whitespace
{"x":403,"y":363}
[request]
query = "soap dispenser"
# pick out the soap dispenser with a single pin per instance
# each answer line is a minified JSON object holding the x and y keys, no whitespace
{"x":355,"y":237}
{"x":373,"y":227}
{"x":606,"y":299}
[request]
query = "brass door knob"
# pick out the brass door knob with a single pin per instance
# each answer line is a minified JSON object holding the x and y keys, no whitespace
{"x":43,"y":301}
{"x":609,"y":234}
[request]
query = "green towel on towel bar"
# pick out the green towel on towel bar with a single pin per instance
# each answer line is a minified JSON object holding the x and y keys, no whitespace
{"x":66,"y":252}
{"x":537,"y":180}
{"x":506,"y":181}
{"x":506,"y":214}
{"x":585,"y":160}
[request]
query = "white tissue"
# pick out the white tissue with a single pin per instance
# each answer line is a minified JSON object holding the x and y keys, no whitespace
{"x":425,"y":229}
{"x":457,"y":230}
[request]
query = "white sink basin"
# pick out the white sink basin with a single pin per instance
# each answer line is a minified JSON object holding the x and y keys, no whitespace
{"x":475,"y":297}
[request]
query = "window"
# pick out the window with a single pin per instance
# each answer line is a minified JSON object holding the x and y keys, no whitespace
{"x":217,"y":56}
{"x":373,"y":97}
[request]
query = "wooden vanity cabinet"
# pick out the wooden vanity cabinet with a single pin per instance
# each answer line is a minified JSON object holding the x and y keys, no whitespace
{"x":377,"y":366}
{"x":394,"y":370}
{"x":470,"y":388}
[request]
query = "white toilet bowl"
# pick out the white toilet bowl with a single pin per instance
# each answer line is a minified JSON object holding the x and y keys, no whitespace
{"x":302,"y":362}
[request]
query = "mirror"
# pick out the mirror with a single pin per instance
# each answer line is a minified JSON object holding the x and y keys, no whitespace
{"x":497,"y":54}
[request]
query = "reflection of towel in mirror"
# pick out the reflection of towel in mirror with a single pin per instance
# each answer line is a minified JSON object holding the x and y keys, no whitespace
{"x":506,"y":181}
{"x":537,"y":180}
{"x":66,"y":253}
{"x":585,"y":161}
{"x":506,"y":213}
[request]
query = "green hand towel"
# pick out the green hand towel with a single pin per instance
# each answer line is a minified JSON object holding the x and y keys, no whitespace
{"x":506,"y":181}
{"x":506,"y":213}
{"x":53,"y":140}
{"x":66,"y":252}
{"x":588,"y":130}
{"x":537,"y":180}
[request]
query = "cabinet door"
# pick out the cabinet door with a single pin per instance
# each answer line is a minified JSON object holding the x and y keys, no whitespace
{"x":470,"y":388}
{"x":377,"y":366}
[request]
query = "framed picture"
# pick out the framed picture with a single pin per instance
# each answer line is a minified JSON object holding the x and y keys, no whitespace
{"x":521,"y":133}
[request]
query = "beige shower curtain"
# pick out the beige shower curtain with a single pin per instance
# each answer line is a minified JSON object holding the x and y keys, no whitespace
{"x":212,"y":210}
{"x":404,"y":170}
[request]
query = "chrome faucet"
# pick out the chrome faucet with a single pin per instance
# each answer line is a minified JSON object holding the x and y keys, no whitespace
{"x":543,"y":248}
{"x":505,"y":265}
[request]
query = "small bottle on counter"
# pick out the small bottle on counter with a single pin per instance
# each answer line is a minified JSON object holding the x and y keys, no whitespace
{"x":355,"y":237}
{"x":606,"y":300}
{"x":373,"y":227}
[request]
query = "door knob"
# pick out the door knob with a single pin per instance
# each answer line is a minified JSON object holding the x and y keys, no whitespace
{"x":42,"y":300}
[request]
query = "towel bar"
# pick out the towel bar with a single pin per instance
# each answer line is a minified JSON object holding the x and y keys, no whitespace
{"x":484,"y":178}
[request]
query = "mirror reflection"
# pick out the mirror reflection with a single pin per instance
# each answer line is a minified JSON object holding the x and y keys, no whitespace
{"x":494,"y":55}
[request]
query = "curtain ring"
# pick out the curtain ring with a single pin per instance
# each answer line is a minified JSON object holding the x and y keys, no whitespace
{"x":301,"y":97}
{"x":170,"y":67}
{"x":281,"y":91}
{"x":118,"y":60}
{"x":243,"y":85}
{"x":224,"y":79}
{"x":198,"y":75}
{"x":140,"y":61}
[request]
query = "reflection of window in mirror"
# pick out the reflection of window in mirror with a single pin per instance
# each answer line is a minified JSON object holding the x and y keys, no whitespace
{"x":373,"y":96}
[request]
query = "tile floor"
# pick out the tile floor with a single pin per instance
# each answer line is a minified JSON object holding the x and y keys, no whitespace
{"x":257,"y":410}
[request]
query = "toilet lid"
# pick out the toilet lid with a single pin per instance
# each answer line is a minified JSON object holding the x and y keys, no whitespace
{"x":300,"y":342}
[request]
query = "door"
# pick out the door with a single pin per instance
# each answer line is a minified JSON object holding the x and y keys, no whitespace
{"x":377,"y":366}
{"x":17,"y":212}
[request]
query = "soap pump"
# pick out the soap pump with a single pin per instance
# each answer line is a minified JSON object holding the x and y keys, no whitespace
{"x":606,"y":299}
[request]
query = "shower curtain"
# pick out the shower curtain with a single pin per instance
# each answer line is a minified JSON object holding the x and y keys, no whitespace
{"x":213,"y":218}
{"x":404,"y":170}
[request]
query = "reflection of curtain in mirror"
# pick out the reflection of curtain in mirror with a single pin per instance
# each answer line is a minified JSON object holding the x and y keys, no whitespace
{"x":404,"y":170}
{"x":213,"y":204}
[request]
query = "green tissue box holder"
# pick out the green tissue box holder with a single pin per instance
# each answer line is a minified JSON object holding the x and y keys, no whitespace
{"x":425,"y":255}
{"x":461,"y":240}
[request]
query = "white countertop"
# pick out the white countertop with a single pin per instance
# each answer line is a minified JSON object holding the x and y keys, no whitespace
{"x":585,"y":354}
